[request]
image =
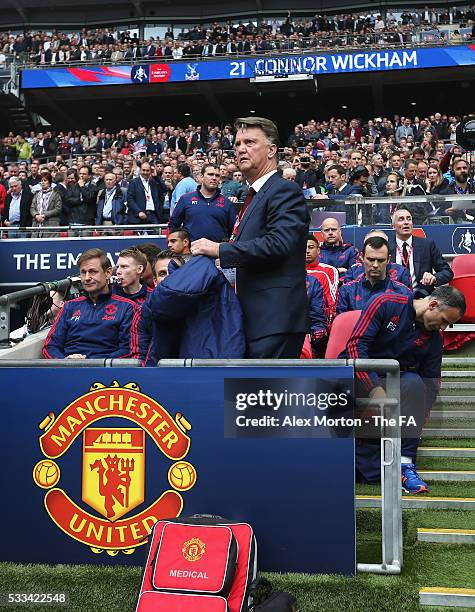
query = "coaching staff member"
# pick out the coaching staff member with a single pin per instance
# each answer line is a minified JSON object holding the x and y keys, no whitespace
{"x":267,"y":247}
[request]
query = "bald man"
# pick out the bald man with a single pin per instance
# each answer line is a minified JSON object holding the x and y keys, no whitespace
{"x":333,"y":250}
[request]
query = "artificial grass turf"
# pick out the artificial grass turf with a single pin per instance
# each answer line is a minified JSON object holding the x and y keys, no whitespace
{"x":448,"y":423}
{"x":113,"y":589}
{"x":368,"y":522}
{"x":446,"y":463}
{"x":437,"y":489}
{"x":449,"y":442}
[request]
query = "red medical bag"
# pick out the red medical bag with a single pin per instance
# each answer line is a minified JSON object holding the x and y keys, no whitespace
{"x":200,"y":563}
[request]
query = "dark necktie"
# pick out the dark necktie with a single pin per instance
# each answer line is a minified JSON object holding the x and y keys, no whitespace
{"x":405,"y":256}
{"x":250,"y":194}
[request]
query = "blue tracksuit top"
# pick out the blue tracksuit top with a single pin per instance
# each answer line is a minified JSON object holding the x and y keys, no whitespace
{"x":338,"y":255}
{"x":139,"y":297}
{"x":387,"y":329}
{"x":106,"y":329}
{"x":356,"y":294}
{"x":394,"y":271}
{"x":211,"y":218}
{"x":317,"y":310}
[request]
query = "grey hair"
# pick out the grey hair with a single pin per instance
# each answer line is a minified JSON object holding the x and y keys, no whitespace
{"x":14,"y":180}
{"x":266,"y":125}
{"x":449,"y":297}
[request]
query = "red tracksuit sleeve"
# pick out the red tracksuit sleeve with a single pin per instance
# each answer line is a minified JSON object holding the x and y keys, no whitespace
{"x":53,"y":348}
{"x":364,"y":333}
{"x":128,"y":334}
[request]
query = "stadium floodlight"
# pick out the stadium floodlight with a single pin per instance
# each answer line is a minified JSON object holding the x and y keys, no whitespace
{"x":275,"y":78}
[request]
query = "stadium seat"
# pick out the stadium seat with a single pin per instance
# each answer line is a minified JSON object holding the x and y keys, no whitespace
{"x":463,"y":264}
{"x":341,"y":330}
{"x":419,"y":232}
{"x":466,"y":284}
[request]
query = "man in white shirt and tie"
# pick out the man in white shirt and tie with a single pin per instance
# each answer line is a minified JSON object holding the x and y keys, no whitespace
{"x":420,"y":256}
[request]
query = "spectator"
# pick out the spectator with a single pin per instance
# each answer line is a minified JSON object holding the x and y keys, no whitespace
{"x":145,"y":198}
{"x":205,"y":213}
{"x":184,"y":184}
{"x":46,"y":206}
{"x":436,"y":184}
{"x":17,"y":212}
{"x":461,"y":186}
{"x":111,"y":203}
{"x":89,"y":142}
{"x":289,"y":174}
{"x":98,"y":325}
{"x":228,"y":186}
{"x":88,"y":197}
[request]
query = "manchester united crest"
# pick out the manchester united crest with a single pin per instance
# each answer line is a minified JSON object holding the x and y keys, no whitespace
{"x":194,"y":549}
{"x":114,"y":466}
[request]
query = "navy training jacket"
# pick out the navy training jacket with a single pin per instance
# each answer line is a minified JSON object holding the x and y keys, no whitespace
{"x":107,"y":329}
{"x":387,"y":329}
{"x":338,"y":255}
{"x":192,"y":313}
{"x":395,"y":271}
{"x":357,"y":293}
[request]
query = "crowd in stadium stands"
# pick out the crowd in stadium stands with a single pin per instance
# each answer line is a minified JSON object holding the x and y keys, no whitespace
{"x":99,"y":175}
{"x":179,"y":304}
{"x":290,"y":34}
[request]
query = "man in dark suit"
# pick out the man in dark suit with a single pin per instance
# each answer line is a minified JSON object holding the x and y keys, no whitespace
{"x":16,"y":212}
{"x":177,"y":142}
{"x":339,"y":189}
{"x":420,"y":256}
{"x":145,"y":197}
{"x":267,"y":248}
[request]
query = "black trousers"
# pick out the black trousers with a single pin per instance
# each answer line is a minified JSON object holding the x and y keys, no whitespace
{"x":277,"y":346}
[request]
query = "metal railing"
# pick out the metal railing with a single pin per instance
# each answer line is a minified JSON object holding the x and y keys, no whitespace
{"x":10,"y":300}
{"x":82,"y":231}
{"x":320,"y":42}
{"x":392,"y":540}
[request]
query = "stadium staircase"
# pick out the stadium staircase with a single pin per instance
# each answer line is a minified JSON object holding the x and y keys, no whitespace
{"x":19,"y":118}
{"x":439,"y":527}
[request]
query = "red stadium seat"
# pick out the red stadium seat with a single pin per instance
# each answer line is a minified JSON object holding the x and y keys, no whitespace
{"x":341,"y":330}
{"x":466,"y":284}
{"x":419,"y":232}
{"x":463,"y":264}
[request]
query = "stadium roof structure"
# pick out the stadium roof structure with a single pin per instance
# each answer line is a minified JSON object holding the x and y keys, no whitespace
{"x":29,"y":14}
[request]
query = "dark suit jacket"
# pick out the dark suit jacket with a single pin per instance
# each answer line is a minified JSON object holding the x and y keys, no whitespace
{"x":427,"y":258}
{"x":182,"y":144}
{"x":137,"y":201}
{"x":269,"y":254}
{"x":25,"y":203}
